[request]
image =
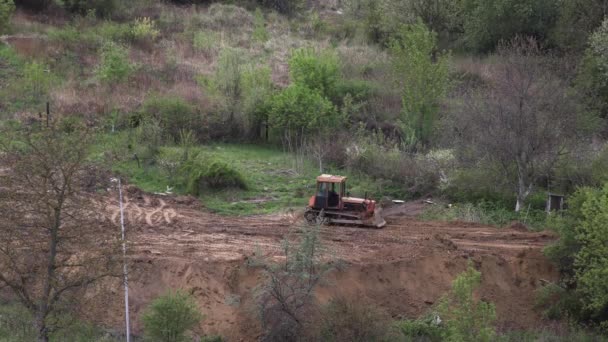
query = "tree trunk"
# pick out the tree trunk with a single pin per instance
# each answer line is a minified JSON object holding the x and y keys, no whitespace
{"x":41,"y":329}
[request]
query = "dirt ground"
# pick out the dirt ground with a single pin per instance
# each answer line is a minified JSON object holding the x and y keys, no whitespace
{"x":403,"y":268}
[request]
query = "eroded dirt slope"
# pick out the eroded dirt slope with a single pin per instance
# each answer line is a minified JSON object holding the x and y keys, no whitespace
{"x":404,"y":267}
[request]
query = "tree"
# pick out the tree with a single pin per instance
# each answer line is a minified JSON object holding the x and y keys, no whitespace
{"x":258,"y":89}
{"x":423,"y":75}
{"x":319,"y":71}
{"x":229,"y":81}
{"x":38,"y":80}
{"x":591,"y":261}
{"x":7,"y":7}
{"x":301,"y":110}
{"x":487,"y":22}
{"x":464,"y":317}
{"x":592,"y":79}
{"x":524,"y":119}
{"x":169,"y":317}
{"x":52,"y":243}
{"x":286,"y":299}
{"x":576,"y":21}
{"x":114,"y":66}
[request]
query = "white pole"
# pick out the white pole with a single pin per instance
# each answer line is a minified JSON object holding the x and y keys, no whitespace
{"x":124,"y":263}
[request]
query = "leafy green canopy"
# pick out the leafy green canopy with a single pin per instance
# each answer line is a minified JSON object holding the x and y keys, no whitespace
{"x":424,"y":77}
{"x":591,"y":261}
{"x":302,"y":110}
{"x":467,"y":318}
{"x":169,"y":317}
{"x":7,"y":7}
{"x":317,"y":71}
{"x":487,"y":22}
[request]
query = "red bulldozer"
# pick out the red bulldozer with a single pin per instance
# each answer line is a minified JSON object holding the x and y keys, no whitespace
{"x":333,"y":204}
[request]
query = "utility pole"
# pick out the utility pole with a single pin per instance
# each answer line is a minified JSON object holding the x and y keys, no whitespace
{"x":124,"y":261}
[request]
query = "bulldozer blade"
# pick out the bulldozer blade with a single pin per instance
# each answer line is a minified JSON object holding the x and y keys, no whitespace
{"x":376,"y":221}
{"x":379,"y":219}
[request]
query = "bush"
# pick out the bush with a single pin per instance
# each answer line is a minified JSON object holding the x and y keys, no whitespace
{"x":223,"y":16}
{"x":319,"y":71}
{"x":424,"y":79}
{"x":379,"y":157}
{"x":114,"y":66}
{"x":464,"y":317}
{"x":174,"y":114}
{"x":205,"y":42}
{"x":202,"y":172}
{"x":300,"y":109}
{"x":591,"y":260}
{"x":258,"y":89}
{"x":7,"y":7}
{"x":37,"y":81}
{"x":102,"y":8}
{"x":344,"y":320}
{"x":149,"y":136}
{"x":260,"y":33}
{"x":144,"y":29}
{"x":169,"y":317}
{"x":487,"y":22}
{"x":286,"y":299}
{"x":289,"y":7}
{"x":421,"y":330}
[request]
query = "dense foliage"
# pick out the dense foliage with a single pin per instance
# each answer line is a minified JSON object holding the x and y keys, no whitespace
{"x":169,"y":317}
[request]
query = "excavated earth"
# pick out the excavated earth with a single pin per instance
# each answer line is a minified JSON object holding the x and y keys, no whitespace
{"x":403,"y":268}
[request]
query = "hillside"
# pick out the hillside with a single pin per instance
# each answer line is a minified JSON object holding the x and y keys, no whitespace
{"x":478,"y":127}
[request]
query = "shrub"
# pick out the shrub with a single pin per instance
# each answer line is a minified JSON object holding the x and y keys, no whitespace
{"x":103,"y":8}
{"x":344,"y":320}
{"x":300,"y":109}
{"x":258,"y":89}
{"x":381,"y":158}
{"x":144,"y":29}
{"x":149,"y":136}
{"x":223,"y":16}
{"x":319,"y":71}
{"x":464,"y":317}
{"x":7,"y":7}
{"x":169,"y":317}
{"x":591,"y":260}
{"x":487,"y":22}
{"x":205,"y":42}
{"x":112,"y":31}
{"x":260,"y":33}
{"x":37,"y":81}
{"x":114,"y":66}
{"x":229,"y":82}
{"x":424,"y":79}
{"x":289,"y":7}
{"x":173,"y":114}
{"x":421,"y":330}
{"x":203,"y":172}
{"x":286,"y":298}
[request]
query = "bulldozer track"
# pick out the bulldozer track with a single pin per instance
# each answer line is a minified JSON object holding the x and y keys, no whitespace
{"x":159,"y":225}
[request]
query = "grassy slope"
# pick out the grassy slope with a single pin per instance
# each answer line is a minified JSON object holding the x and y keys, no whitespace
{"x":273,"y":183}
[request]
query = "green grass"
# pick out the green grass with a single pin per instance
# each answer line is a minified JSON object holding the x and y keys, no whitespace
{"x":486,"y":212}
{"x":272,"y":183}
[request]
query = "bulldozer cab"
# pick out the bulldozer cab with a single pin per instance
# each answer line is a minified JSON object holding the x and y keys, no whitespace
{"x":330,"y":191}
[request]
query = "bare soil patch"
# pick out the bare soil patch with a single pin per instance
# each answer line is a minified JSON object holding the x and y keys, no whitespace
{"x":404,"y":267}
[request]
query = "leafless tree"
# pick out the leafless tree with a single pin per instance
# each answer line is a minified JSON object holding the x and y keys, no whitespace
{"x":523,"y":119}
{"x":286,"y":300}
{"x":318,"y":147}
{"x":52,"y":244}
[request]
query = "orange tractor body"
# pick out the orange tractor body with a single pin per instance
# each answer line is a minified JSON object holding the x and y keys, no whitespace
{"x":332,"y":204}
